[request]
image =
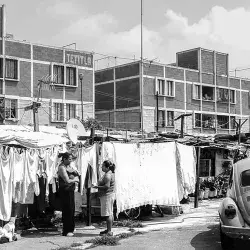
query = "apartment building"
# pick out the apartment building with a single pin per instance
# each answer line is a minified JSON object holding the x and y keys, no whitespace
{"x":22,"y":67}
{"x":198,"y":84}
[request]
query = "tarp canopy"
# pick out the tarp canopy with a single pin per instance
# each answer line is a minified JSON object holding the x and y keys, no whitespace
{"x":25,"y":137}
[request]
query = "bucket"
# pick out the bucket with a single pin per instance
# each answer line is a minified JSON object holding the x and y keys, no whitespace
{"x":206,"y":193}
{"x":201,"y":194}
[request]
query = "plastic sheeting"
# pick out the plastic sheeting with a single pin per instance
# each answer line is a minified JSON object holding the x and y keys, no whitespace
{"x":31,"y":139}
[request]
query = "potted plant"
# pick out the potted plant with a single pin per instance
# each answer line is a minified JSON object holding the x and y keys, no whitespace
{"x":202,"y":190}
{"x":206,"y":192}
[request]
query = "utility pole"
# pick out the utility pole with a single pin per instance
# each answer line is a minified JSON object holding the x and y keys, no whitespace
{"x":81,"y":78}
{"x":238,"y":128}
{"x":182,"y":122}
{"x":157,"y":111}
{"x":141,"y":71}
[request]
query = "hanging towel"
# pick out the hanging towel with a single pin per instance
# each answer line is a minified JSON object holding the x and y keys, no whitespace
{"x":187,"y":167}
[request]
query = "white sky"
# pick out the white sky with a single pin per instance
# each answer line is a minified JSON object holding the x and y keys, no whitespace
{"x":113,"y":26}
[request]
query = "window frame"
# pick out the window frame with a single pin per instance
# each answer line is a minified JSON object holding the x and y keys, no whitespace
{"x":65,"y":66}
{"x":53,"y":114}
{"x":76,"y":76}
{"x":17,"y":109}
{"x":18,"y":68}
{"x":199,"y":120}
{"x":167,"y":119}
{"x":229,"y":95}
{"x":75,"y":109}
{"x":193,"y":91}
{"x":164,"y":87}
{"x":209,"y":167}
{"x":207,"y":86}
{"x":228,"y":122}
{"x":58,"y":65}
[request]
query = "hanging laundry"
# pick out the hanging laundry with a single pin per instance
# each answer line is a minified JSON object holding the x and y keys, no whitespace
{"x":107,"y":153}
{"x":145,"y":174}
{"x":51,"y":157}
{"x":85,"y":157}
{"x":187,"y":167}
{"x":6,"y":185}
{"x":18,"y":175}
{"x":30,"y":177}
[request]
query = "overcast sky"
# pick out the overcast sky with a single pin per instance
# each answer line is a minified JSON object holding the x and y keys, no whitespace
{"x":113,"y":26}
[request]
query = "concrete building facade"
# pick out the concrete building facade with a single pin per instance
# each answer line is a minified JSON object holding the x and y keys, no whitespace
{"x":198,"y":83}
{"x":24,"y":64}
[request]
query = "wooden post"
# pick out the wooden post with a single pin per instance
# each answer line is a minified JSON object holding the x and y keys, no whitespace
{"x":88,"y":203}
{"x":197,"y":177}
{"x":92,"y":135}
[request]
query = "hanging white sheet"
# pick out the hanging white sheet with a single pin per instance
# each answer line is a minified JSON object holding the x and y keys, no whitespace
{"x":145,"y":174}
{"x":187,"y":168}
{"x":6,"y":185}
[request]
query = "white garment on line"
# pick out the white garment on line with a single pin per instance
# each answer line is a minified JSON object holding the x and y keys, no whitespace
{"x":6,"y":185}
{"x":18,"y":164}
{"x":28,"y":186}
{"x":145,"y":174}
{"x":187,"y":165}
{"x":51,"y":164}
{"x":85,"y":157}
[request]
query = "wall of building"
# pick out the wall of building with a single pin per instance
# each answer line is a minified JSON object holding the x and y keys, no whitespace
{"x":205,"y":68}
{"x":35,"y":63}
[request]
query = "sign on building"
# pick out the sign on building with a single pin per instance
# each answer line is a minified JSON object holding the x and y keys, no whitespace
{"x":79,"y":59}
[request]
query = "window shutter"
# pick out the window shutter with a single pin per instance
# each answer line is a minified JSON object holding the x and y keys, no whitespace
{"x":193,"y":92}
{"x":156,"y":86}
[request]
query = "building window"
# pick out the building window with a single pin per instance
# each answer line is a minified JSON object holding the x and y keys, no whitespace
{"x":58,"y":110}
{"x":197,"y":120}
{"x":223,"y":122}
{"x":207,"y":93}
{"x":232,"y":123}
{"x":205,"y":167}
{"x":232,"y":96}
{"x":223,"y":95}
{"x":11,"y":68}
{"x":70,"y":76}
{"x":170,"y":118}
{"x":169,"y":88}
{"x":10,"y":109}
{"x":70,"y":111}
{"x":196,"y":92}
{"x":160,"y":87}
{"x":58,"y":72}
{"x":208,"y":121}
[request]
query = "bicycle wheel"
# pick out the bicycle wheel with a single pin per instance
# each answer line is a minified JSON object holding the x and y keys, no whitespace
{"x":133,"y":213}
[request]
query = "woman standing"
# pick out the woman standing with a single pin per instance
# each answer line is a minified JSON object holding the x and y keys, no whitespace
{"x":67,"y":179}
{"x":107,"y":195}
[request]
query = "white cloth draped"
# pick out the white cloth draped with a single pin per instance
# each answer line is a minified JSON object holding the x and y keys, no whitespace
{"x":145,"y":174}
{"x":187,"y":168}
